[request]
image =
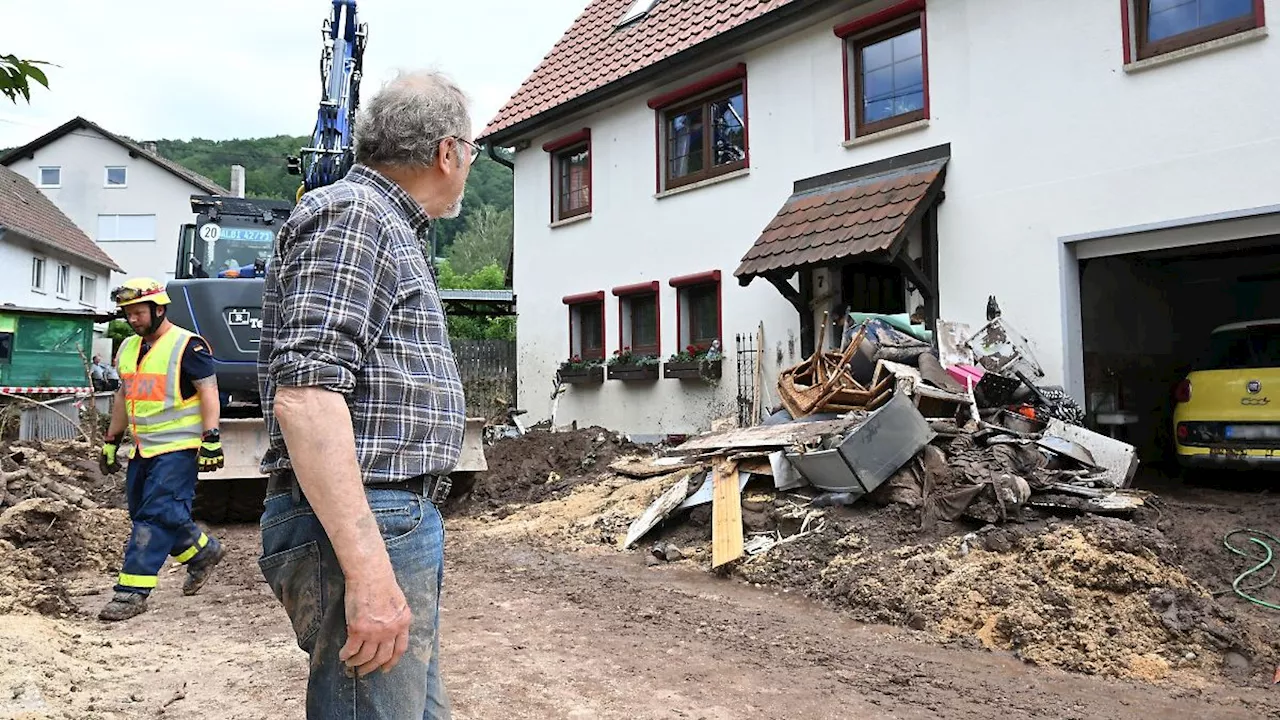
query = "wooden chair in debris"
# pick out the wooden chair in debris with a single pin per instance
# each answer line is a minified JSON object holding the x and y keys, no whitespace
{"x":823,"y":383}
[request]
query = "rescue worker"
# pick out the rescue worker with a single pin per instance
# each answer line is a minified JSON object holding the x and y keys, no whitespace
{"x":168,"y":399}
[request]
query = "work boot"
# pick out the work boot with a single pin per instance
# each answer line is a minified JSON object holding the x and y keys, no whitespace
{"x":123,"y":606}
{"x":199,"y":570}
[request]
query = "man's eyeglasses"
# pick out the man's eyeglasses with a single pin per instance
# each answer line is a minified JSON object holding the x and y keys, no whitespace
{"x":475,"y":149}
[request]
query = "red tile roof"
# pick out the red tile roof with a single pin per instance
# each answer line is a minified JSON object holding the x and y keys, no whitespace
{"x":26,"y":210}
{"x":842,"y":219}
{"x":594,"y":52}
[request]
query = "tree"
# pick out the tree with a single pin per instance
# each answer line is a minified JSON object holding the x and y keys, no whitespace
{"x":16,"y":75}
{"x":485,"y":241}
{"x":490,"y":277}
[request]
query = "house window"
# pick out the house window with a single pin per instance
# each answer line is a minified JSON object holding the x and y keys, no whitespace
{"x":586,"y":325}
{"x":6,"y":346}
{"x":64,"y":280}
{"x":50,"y":177}
{"x":698,"y":308}
{"x":88,"y":289}
{"x":570,"y":175}
{"x":1167,"y":25}
{"x":888,"y":76}
{"x":37,"y":273}
{"x":638,"y":318}
{"x":706,"y":137}
{"x":116,"y":177}
{"x":125,"y":228}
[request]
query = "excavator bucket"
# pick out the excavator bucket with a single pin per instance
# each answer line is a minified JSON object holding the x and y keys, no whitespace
{"x":244,"y":442}
{"x":471,"y":460}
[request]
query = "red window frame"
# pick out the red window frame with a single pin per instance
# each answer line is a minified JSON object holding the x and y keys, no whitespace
{"x":871,"y":28}
{"x":683,"y":284}
{"x":1133,"y":20}
{"x":627,"y":293}
{"x":575,"y":303}
{"x":700,"y":93}
{"x":561,"y":149}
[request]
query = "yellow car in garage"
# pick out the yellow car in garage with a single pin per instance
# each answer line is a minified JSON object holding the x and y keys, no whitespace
{"x":1228,"y":412}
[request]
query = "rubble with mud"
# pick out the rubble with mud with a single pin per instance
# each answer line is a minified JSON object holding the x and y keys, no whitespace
{"x":1128,"y":597}
{"x":59,"y":517}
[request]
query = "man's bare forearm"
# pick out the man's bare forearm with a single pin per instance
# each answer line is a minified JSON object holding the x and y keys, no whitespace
{"x":118,"y":420}
{"x":316,"y":425}
{"x":210,"y":403}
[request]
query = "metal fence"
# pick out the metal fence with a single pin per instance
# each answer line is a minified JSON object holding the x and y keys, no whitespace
{"x":52,"y":421}
{"x":488,"y":370}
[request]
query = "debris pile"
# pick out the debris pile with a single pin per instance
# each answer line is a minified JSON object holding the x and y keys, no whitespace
{"x":59,"y":470}
{"x":538,"y":465}
{"x":56,"y":520}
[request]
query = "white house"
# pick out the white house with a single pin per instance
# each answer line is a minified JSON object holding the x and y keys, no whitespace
{"x":45,"y":260}
{"x":127,"y":198}
{"x":1108,"y":169}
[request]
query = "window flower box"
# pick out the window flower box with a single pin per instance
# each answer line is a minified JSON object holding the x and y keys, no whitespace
{"x":628,"y":367}
{"x":577,"y":372}
{"x":692,"y":370}
{"x":695,"y":363}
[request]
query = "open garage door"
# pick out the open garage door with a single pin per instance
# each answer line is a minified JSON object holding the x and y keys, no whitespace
{"x":1146,"y":319}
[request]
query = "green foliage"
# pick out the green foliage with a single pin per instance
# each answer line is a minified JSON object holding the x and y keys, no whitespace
{"x":16,"y":75}
{"x":489,"y":184}
{"x":490,"y":277}
{"x":624,"y":356}
{"x":263,"y":160}
{"x":486,"y":240}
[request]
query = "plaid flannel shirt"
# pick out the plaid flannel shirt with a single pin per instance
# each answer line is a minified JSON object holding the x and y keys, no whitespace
{"x":350,"y":305}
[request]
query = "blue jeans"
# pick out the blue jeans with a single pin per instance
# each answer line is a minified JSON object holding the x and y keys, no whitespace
{"x":160,"y":491}
{"x":300,"y":566}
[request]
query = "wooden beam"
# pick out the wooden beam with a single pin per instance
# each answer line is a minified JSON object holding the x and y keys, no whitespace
{"x":916,"y":275}
{"x":726,"y":514}
{"x":929,"y":230}
{"x":806,"y":314}
{"x":789,"y":293}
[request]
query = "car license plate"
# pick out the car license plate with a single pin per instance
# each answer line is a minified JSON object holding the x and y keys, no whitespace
{"x":1227,"y":452}
{"x":1252,"y":432}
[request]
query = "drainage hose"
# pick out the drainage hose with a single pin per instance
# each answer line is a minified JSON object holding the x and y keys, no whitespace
{"x":1265,"y":558}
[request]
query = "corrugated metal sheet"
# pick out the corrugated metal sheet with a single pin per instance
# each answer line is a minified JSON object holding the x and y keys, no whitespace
{"x":841,"y":220}
{"x":50,"y":422}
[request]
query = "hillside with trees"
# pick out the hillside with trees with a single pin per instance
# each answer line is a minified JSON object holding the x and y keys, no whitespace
{"x":489,"y":194}
{"x":474,"y":247}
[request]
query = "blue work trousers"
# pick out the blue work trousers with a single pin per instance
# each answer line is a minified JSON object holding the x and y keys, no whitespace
{"x":299,"y":564}
{"x":160,"y":491}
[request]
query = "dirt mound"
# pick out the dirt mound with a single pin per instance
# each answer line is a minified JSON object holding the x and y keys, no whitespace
{"x":1098,"y":596}
{"x":45,"y":541}
{"x":61,"y":470}
{"x":540,"y":465}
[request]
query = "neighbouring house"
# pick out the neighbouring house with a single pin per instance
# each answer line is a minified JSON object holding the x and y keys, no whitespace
{"x":46,"y":261}
{"x":687,"y":171}
{"x":130,"y":200}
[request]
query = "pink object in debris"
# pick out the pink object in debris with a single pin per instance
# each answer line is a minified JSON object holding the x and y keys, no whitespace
{"x":966,"y":375}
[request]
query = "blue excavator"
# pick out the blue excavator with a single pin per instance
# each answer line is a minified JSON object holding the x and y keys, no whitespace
{"x":222,"y":258}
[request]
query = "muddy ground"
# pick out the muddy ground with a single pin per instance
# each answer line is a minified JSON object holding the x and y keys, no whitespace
{"x":543,"y":617}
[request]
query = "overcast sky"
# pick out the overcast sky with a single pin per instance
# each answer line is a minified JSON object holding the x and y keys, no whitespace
{"x":154,"y":69}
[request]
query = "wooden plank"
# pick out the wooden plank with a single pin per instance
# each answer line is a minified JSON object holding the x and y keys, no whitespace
{"x":660,"y":509}
{"x":766,"y":436}
{"x":726,"y":515}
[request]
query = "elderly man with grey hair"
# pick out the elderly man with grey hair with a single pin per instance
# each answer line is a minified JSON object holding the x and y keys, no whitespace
{"x":364,"y":410}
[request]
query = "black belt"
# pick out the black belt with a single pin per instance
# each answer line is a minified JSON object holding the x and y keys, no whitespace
{"x":433,"y":487}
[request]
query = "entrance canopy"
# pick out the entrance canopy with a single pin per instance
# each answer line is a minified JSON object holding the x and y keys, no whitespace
{"x":862,"y":211}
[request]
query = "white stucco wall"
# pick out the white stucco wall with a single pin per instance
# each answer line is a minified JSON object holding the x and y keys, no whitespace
{"x":16,"y":276}
{"x":83,"y":156}
{"x":1049,"y":135}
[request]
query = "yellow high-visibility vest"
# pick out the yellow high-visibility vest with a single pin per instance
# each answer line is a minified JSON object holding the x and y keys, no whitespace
{"x":160,"y":419}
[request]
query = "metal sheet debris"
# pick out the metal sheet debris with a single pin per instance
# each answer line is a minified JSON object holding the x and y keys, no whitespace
{"x":702,"y":495}
{"x":1000,"y":348}
{"x":1068,"y":448}
{"x":1118,"y":460}
{"x":952,"y":343}
{"x":785,"y":476}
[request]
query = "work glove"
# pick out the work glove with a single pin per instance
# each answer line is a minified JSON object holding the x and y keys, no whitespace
{"x":107,"y":461}
{"x":211,"y":457}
